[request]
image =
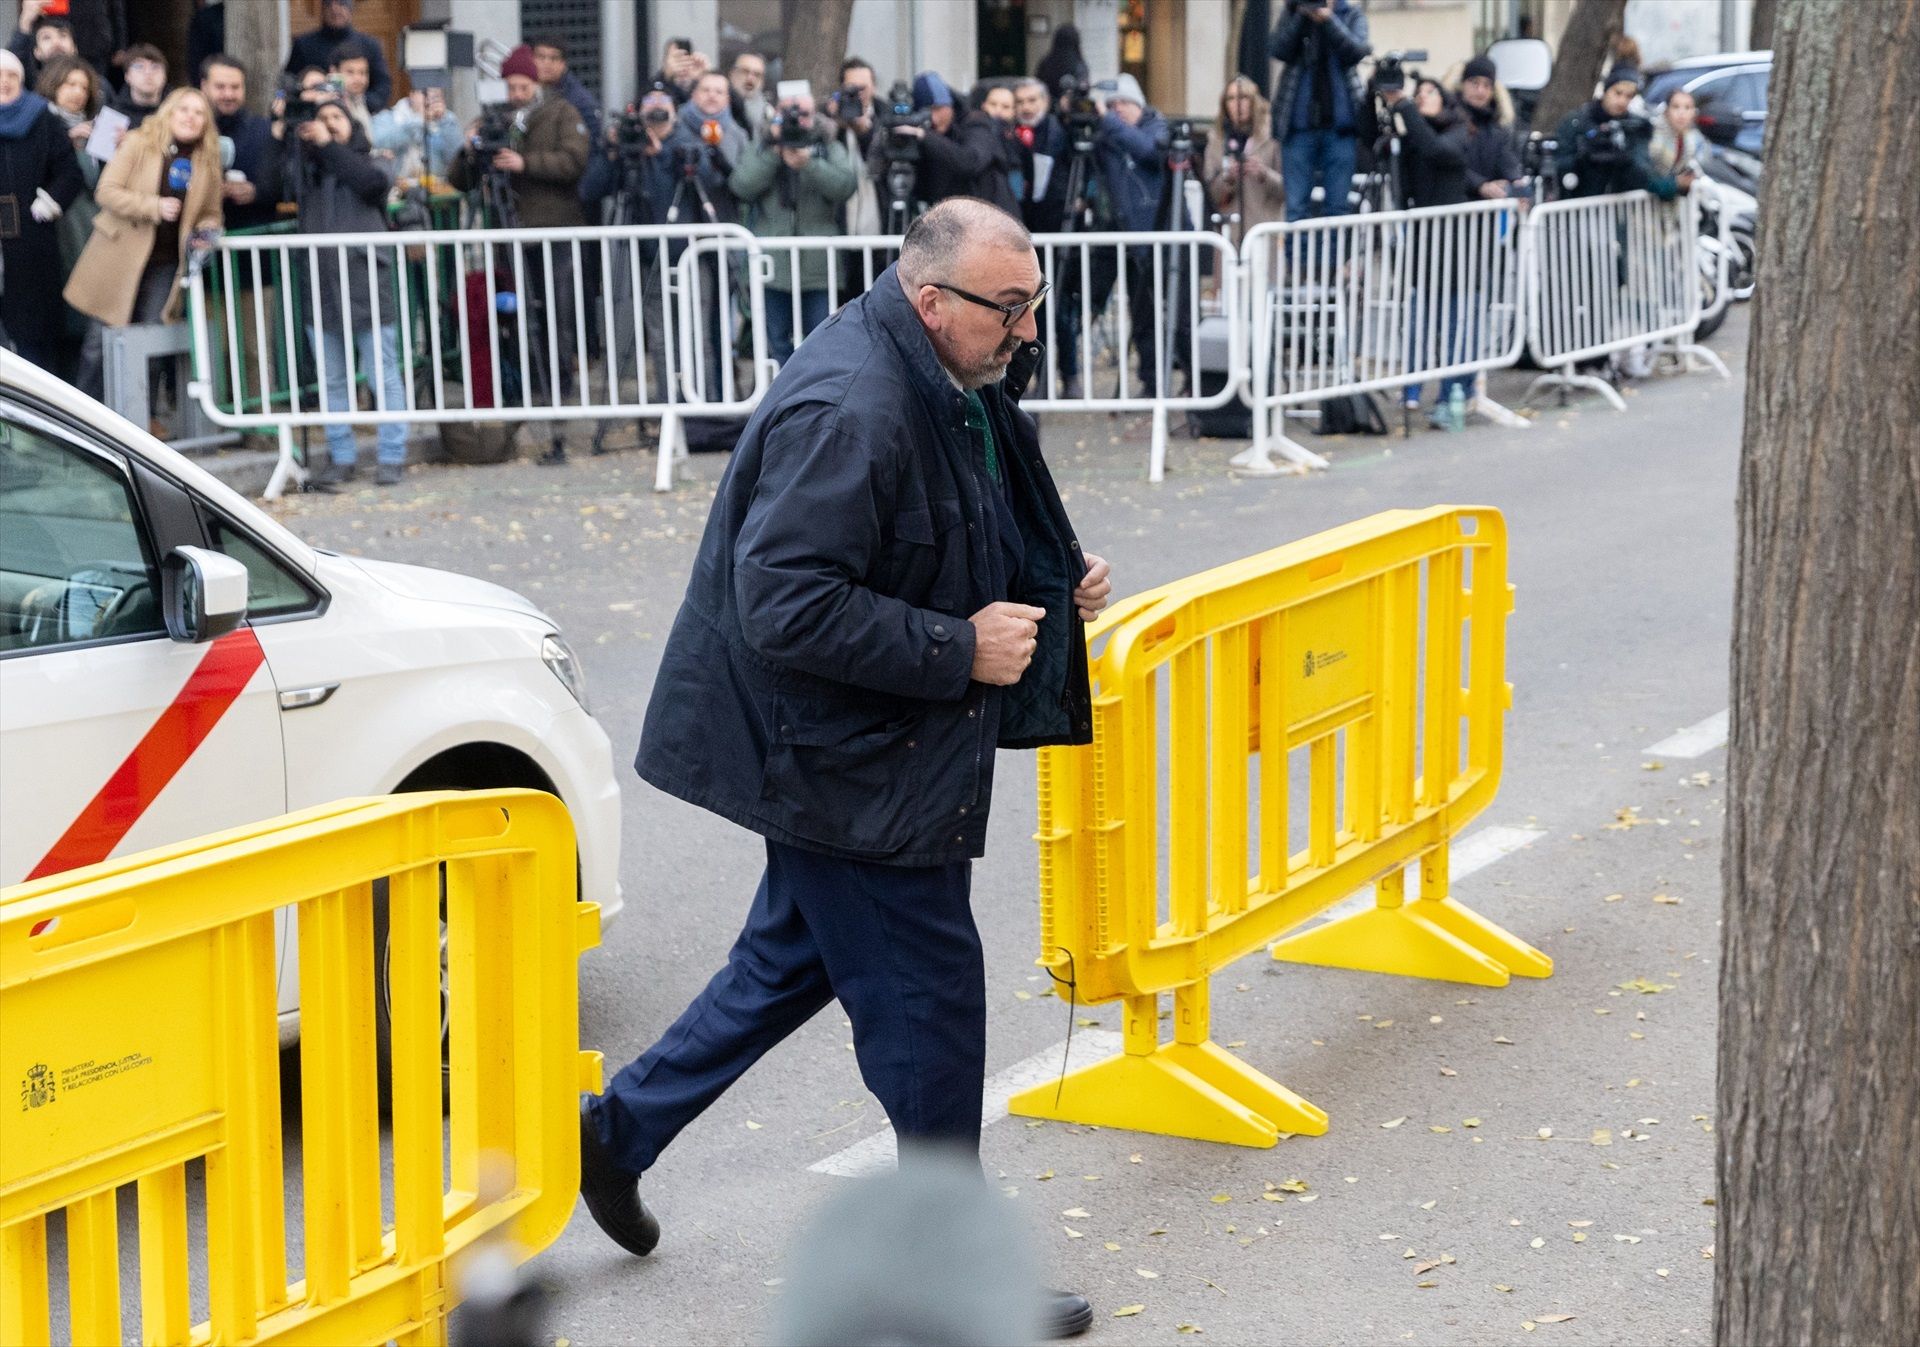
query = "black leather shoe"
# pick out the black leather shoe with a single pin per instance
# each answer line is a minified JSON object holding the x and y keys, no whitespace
{"x":1066,"y":1314}
{"x":613,"y":1195}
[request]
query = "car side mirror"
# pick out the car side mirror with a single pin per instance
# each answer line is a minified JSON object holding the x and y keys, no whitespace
{"x":203,"y":594}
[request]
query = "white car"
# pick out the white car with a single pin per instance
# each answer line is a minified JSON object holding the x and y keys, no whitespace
{"x":174,"y":662}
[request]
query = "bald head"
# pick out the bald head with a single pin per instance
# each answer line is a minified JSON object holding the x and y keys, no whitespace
{"x":968,"y":269}
{"x":955,"y":239}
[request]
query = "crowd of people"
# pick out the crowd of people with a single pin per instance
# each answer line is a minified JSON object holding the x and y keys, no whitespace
{"x":114,"y":173}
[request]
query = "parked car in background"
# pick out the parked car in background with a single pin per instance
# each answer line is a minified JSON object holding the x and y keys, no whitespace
{"x":1731,"y":91}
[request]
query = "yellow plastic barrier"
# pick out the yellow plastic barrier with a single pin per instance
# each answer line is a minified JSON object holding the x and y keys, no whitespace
{"x":137,"y":1021}
{"x":1375,"y":650}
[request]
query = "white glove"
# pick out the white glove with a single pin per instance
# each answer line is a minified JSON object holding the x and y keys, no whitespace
{"x":44,"y":208}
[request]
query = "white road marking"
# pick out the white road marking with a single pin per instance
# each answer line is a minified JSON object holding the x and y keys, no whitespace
{"x":876,"y":1154}
{"x":1475,"y":851}
{"x":1691,"y":742}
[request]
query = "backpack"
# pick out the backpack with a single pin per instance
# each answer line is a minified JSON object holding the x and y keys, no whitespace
{"x":1354,"y":414}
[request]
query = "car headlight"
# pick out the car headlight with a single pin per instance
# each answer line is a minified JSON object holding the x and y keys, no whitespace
{"x":560,"y":658}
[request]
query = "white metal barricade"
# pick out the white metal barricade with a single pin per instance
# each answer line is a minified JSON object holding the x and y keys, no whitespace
{"x":1121,"y":323}
{"x":1607,"y":274}
{"x":1354,"y":303}
{"x":472,"y":325}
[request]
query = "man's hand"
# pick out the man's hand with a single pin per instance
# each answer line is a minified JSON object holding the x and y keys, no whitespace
{"x":1393,"y":98}
{"x":169,"y":208}
{"x":239,"y":193}
{"x":1321,"y":13}
{"x":1684,"y":182}
{"x":795,"y":159}
{"x":1004,"y":638}
{"x":29,"y":11}
{"x":315,"y":133}
{"x":917,"y":132}
{"x":1095,"y":588}
{"x":510,"y":161}
{"x":1494,"y":191}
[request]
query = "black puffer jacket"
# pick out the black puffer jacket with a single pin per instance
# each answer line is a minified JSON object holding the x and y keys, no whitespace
{"x":816,"y":687}
{"x":1433,"y":157}
{"x":972,"y":159}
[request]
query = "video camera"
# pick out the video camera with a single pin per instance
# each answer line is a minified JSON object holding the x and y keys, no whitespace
{"x":847,"y":96}
{"x":1390,"y":70}
{"x":1612,"y":141}
{"x":898,"y":111}
{"x":790,"y":130}
{"x":300,"y":106}
{"x":495,"y":131}
{"x":1078,"y":110}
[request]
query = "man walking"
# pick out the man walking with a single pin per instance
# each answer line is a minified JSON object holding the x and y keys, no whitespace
{"x":825,"y":687}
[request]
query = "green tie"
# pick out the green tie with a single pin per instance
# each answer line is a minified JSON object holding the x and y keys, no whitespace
{"x":977,"y":420}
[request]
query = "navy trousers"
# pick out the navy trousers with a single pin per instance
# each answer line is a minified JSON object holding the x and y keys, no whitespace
{"x":897,"y":945}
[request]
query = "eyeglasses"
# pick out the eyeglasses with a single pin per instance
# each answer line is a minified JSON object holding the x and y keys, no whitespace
{"x":1009,"y":313}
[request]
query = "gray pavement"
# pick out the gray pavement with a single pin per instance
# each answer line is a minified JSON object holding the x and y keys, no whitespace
{"x":1580,"y":1187}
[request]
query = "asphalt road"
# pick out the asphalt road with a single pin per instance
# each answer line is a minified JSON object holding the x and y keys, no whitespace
{"x":1429,"y":1230}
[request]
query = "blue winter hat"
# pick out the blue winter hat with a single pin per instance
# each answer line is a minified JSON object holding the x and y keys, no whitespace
{"x":930,"y":91}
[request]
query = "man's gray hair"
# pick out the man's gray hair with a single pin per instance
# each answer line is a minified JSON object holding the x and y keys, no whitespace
{"x":1029,"y":82}
{"x":936,"y":242}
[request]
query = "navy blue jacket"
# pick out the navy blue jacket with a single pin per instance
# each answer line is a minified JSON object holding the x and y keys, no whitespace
{"x":576,"y":93}
{"x":816,"y":687}
{"x":257,"y":155}
{"x":1340,"y":44}
{"x":317,"y":49}
{"x":1133,"y":168}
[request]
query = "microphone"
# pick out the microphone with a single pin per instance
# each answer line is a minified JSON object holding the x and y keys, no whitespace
{"x":179,"y":174}
{"x":711,"y":133}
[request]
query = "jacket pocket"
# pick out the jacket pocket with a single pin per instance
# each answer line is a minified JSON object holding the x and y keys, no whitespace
{"x":843,"y":774}
{"x":927,"y":565}
{"x":108,"y":225}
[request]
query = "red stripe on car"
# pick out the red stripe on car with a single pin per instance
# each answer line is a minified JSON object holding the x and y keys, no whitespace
{"x":214,"y":685}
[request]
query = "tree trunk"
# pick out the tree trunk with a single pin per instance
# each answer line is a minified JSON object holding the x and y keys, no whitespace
{"x":254,"y":39}
{"x":816,"y":43}
{"x":1819,"y":1065}
{"x":1760,"y":29}
{"x":1580,"y":61}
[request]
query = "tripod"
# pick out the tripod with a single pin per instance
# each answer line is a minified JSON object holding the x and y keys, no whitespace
{"x":629,"y":207}
{"x":903,"y":179}
{"x":1077,"y":219}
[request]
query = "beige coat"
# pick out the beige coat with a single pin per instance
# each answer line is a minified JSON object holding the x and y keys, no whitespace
{"x":106,"y":279}
{"x":1264,"y":198}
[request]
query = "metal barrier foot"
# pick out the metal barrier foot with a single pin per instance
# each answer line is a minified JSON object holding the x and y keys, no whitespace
{"x":671,"y":448}
{"x":1428,"y":938}
{"x":1497,"y":414}
{"x":1689,"y":352}
{"x":1195,"y":1090}
{"x":1565,"y":379}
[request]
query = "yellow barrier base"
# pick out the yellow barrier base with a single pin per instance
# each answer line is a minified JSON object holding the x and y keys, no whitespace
{"x":1195,"y":1090}
{"x":1427,"y":938}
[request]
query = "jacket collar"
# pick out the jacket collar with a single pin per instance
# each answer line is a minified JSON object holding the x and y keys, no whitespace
{"x":888,"y":303}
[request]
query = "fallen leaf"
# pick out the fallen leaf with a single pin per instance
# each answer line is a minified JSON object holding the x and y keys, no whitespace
{"x":1507,"y":1041}
{"x":1134,"y":1159}
{"x":1653,"y":766}
{"x":1128,"y":1311}
{"x":1423,"y":1269}
{"x":1112,"y":1247}
{"x":1579,"y":1237}
{"x":1551,"y":1318}
{"x":1628,"y":1239}
{"x":1023,"y":996}
{"x":1222,"y":1197}
{"x":1645,"y":987}
{"x":1393,"y":1123}
{"x":1434,"y":1019}
{"x":1071,"y":1232}
{"x":1448,"y":1071}
{"x":1528,"y":1324}
{"x":1188,"y":1328}
{"x":1661,"y":1271}
{"x":1602,"y":1136}
{"x":753,"y":1126}
{"x":1383,"y":1024}
{"x":1273,"y":1197}
{"x":1469,"y":1122}
{"x":1426,"y":1286}
{"x":1237,"y":1043}
{"x":1539,"y":1243}
{"x":1148,"y":1273}
{"x":1545,"y":1134}
{"x":1502,"y":1286}
{"x":1310,"y":1197}
{"x":1613,"y":897}
{"x":1086,"y":1023}
{"x":1436,"y":1127}
{"x":1579,"y":1225}
{"x":1292,"y":1185}
{"x":1076,"y":1214}
{"x":1429,"y":1206}
{"x":1668,"y":899}
{"x":1152,"y":1233}
{"x":1042,"y":1178}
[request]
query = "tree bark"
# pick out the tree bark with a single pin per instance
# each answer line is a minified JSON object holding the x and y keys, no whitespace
{"x":254,"y":39}
{"x":816,"y":42}
{"x":1760,"y":30}
{"x":1580,"y":61}
{"x":1819,"y":1065}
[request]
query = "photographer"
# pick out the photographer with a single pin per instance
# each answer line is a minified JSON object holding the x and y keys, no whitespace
{"x":1433,"y":164}
{"x":794,"y":181}
{"x":1603,"y":148}
{"x":322,"y":46}
{"x":420,"y":135}
{"x":854,"y":126}
{"x":708,"y":114}
{"x":1494,"y":170}
{"x":1316,"y":106}
{"x":342,"y":189}
{"x":532,"y":181}
{"x":1241,"y":168}
{"x":1130,"y":152}
{"x":959,"y":155}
